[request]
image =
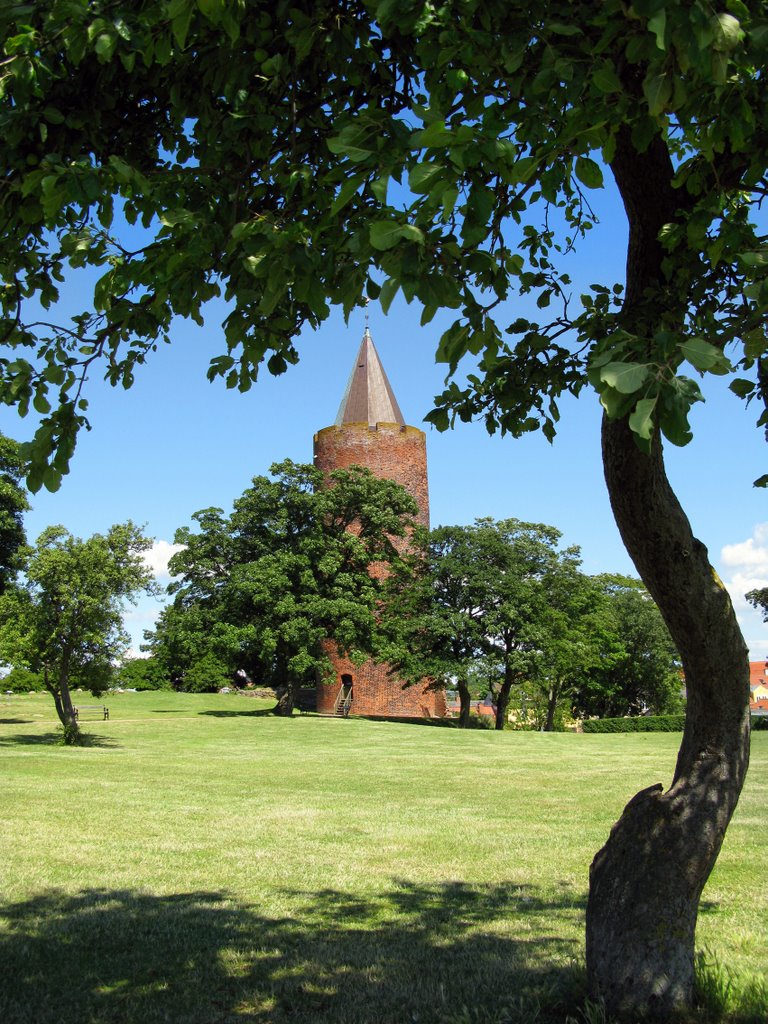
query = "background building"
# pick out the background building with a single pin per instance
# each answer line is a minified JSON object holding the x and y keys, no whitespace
{"x":370,"y":431}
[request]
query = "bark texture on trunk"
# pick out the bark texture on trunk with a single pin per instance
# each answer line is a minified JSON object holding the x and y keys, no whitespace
{"x":465,"y":703}
{"x":502,"y":703}
{"x":646,"y":882}
{"x":549,"y":725}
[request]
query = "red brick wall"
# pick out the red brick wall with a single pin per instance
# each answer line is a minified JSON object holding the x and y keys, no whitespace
{"x":376,"y":692}
{"x":393,"y":453}
{"x":390,"y":451}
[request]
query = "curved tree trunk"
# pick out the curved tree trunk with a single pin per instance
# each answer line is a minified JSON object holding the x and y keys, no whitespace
{"x":62,"y":698}
{"x":646,"y":882}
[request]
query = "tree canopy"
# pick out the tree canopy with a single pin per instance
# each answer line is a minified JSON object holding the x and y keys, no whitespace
{"x":500,"y":593}
{"x":294,"y":158}
{"x":638,"y":670}
{"x":265,"y":589}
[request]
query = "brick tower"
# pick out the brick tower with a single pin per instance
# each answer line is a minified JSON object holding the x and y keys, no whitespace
{"x":370,"y":431}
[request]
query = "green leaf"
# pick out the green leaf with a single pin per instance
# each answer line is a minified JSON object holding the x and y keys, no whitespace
{"x":379,"y":188}
{"x":453,"y":344}
{"x":212,"y":9}
{"x":658,"y":92}
{"x":347,"y":190}
{"x":641,"y":420}
{"x":388,"y":292}
{"x":423,"y":177}
{"x":704,"y":356}
{"x":727,"y":32}
{"x":626,"y":378}
{"x":606,"y":79}
{"x":615,"y":404}
{"x":412,"y":234}
{"x":757,"y":258}
{"x":657,"y":24}
{"x":434,"y":136}
{"x":741,"y":387}
{"x":385,"y":234}
{"x":352,"y":142}
{"x":588,"y":172}
{"x":180,"y":25}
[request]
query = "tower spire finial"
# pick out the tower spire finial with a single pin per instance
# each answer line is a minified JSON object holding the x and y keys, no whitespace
{"x":367,"y":332}
{"x":368,"y":397}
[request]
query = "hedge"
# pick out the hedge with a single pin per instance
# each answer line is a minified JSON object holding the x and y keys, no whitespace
{"x":643,"y":723}
{"x":653,"y":723}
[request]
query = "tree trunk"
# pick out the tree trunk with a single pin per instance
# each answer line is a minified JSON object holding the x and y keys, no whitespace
{"x":62,"y":699}
{"x":502,"y":701}
{"x":285,"y":702}
{"x":465,"y":703}
{"x":646,"y":882}
{"x":549,"y":725}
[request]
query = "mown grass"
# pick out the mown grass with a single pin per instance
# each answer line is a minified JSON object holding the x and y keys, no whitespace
{"x":206,"y":862}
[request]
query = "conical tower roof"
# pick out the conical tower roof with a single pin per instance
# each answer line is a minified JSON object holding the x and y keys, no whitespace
{"x":369,"y":397}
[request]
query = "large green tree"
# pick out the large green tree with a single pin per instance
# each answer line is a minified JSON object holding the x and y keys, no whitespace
{"x":498,"y":594}
{"x":639,"y":668}
{"x":65,"y":619}
{"x":297,"y":156}
{"x":571,"y":643}
{"x":265,"y":588}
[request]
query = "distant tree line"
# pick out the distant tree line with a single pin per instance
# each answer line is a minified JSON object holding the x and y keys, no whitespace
{"x":495,"y":609}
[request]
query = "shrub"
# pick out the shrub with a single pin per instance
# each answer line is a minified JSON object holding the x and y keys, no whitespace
{"x":142,"y":674}
{"x":21,"y":680}
{"x":759,"y":722}
{"x":644,"y":723}
{"x":208,"y":675}
{"x":481,"y":722}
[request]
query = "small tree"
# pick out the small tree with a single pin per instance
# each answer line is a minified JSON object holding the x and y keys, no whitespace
{"x":65,"y":620}
{"x":263,"y":589}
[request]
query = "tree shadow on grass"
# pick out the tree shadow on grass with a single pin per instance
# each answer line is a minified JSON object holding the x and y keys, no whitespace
{"x":254,"y":713}
{"x":425,"y":953}
{"x":15,"y":721}
{"x":48,"y":739}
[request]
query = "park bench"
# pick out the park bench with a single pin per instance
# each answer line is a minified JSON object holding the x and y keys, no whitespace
{"x":102,"y":709}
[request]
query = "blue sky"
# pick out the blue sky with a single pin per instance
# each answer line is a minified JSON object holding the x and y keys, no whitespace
{"x":176,"y":443}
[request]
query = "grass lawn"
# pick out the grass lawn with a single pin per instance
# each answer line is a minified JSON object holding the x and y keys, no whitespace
{"x":206,"y":862}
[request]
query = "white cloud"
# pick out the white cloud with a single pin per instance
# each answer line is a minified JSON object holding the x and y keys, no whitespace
{"x":750,"y":555}
{"x":158,"y":556}
{"x":744,"y":568}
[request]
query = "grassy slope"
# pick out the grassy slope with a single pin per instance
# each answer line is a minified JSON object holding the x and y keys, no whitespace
{"x":205,"y":863}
